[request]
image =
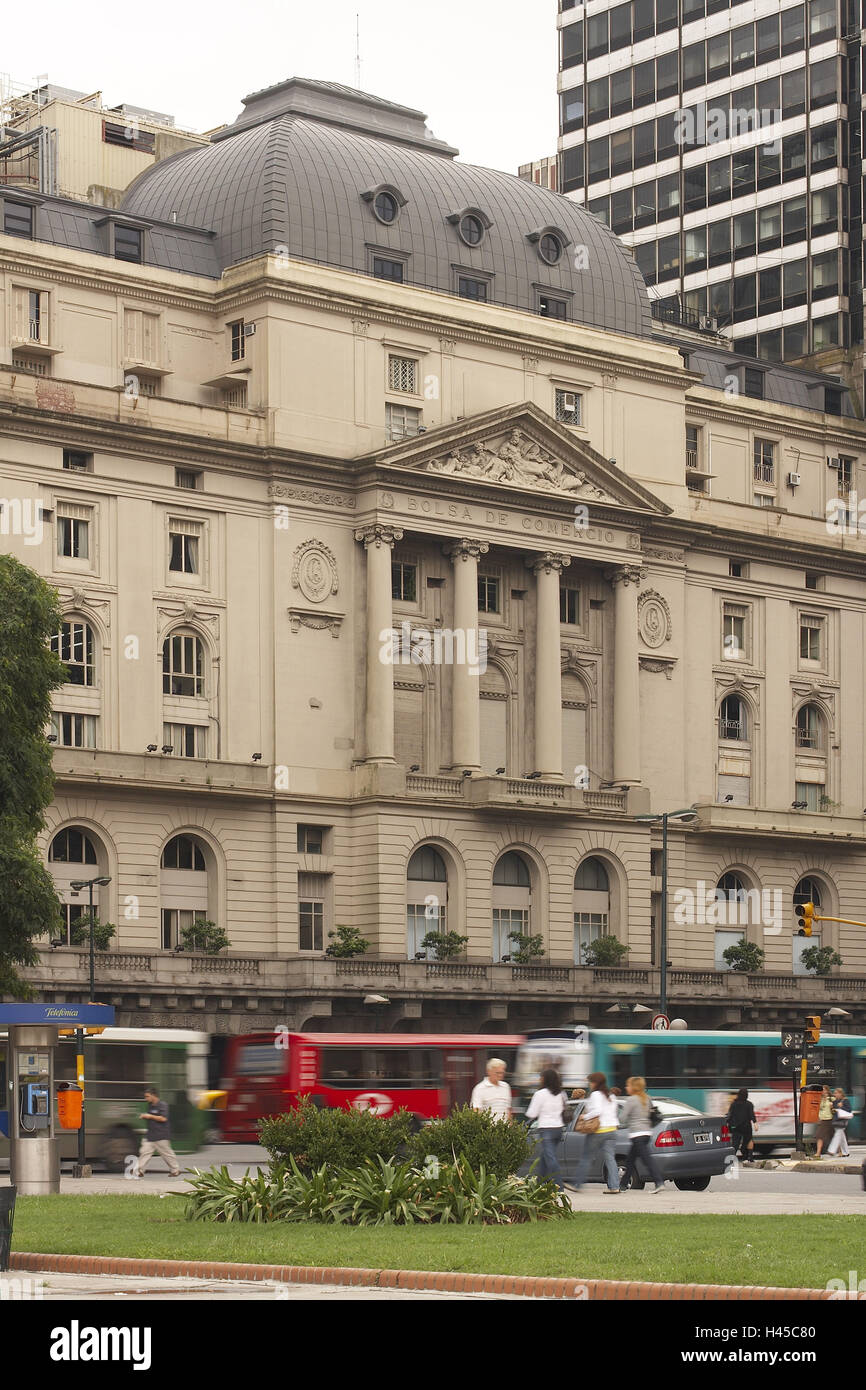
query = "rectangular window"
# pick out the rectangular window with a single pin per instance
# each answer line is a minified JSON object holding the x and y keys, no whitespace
{"x":17,"y":219}
{"x":793,"y":93}
{"x":401,"y":422}
{"x":694,"y":65}
{"x":668,"y":257}
{"x":695,"y":249}
{"x":734,"y":616}
{"x":128,"y":244}
{"x":505,"y":921}
{"x":767,"y":39}
{"x":311,"y":911}
{"x":825,"y":275}
{"x":184,"y":547}
{"x":793,"y":30}
{"x":488,"y":593}
{"x":130,"y":136}
{"x":467,"y":288}
{"x":793,"y":157}
{"x":174,"y":919}
{"x":811,"y":793}
{"x":597,"y":100}
{"x":569,"y":407}
{"x":551,"y":308}
{"x":235,"y":397}
{"x":35,"y":316}
{"x":764,"y":465}
{"x":141,"y":337}
{"x":185,"y":740}
{"x":182,"y":672}
{"x":187,"y":478}
{"x":719,"y":180}
{"x":644,"y":83}
{"x":74,"y":730}
{"x":822,"y":21}
{"x":572,"y":45}
{"x":824,"y":144}
{"x":822,"y":83}
{"x":588,"y":927}
{"x":74,"y":646}
{"x":810,"y":637}
{"x":236,"y":340}
{"x":311,"y":839}
{"x":77,"y":462}
{"x":404,"y":582}
{"x":794,"y":220}
{"x":693,"y":447}
{"x":724,"y":939}
{"x":718,"y":57}
{"x":384,"y":269}
{"x":569,"y":606}
{"x":824,"y":214}
{"x":770,"y":227}
{"x":742,"y":48}
{"x":403,"y":374}
{"x":73,"y":537}
{"x":753,"y":383}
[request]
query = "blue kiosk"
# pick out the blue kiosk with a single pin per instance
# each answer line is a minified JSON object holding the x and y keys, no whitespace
{"x":28,"y":1104}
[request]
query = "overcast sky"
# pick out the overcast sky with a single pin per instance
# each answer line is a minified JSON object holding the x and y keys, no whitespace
{"x":484,"y":72}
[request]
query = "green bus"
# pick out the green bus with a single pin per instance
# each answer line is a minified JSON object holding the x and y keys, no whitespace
{"x":119,"y":1064}
{"x":704,"y":1069}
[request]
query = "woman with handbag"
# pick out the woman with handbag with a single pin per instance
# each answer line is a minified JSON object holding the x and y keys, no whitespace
{"x":842,"y":1113}
{"x":636,"y":1118}
{"x":599,"y":1121}
{"x":546,"y":1107}
{"x":824,"y":1130}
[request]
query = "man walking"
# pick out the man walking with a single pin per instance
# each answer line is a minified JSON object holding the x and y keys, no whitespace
{"x":158,"y":1134}
{"x":493,"y":1093}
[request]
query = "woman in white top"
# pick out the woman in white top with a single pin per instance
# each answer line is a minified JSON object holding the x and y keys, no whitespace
{"x":546,"y":1107}
{"x":602,"y":1106}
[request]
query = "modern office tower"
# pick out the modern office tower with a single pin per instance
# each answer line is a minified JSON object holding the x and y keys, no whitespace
{"x":723,"y":143}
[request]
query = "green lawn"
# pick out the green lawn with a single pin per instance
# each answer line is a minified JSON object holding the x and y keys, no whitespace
{"x":798,"y":1251}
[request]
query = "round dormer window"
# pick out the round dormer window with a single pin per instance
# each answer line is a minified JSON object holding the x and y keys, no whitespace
{"x":471,"y":229}
{"x":550,"y":248}
{"x":386,"y":207}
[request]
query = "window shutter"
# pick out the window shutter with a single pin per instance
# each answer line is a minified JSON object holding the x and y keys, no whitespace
{"x":408,"y":717}
{"x":737,"y":787}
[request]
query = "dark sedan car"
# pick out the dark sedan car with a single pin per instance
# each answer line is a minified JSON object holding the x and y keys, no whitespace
{"x":690,"y":1148}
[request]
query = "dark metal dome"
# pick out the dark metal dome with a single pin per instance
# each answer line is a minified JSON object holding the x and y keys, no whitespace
{"x":303,"y":169}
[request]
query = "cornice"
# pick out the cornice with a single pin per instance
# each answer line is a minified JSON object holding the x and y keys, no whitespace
{"x":118,"y":283}
{"x":806,"y":427}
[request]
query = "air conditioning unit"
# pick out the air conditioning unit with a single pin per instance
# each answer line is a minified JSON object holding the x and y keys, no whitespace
{"x":709,"y":321}
{"x":249,"y":330}
{"x":834,"y":463}
{"x":569,"y":400}
{"x":793,"y":480}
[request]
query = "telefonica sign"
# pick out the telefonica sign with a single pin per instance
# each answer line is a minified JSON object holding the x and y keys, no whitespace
{"x":19,"y":1015}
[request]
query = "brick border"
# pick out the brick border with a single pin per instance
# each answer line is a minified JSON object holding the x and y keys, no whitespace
{"x":524,"y":1286}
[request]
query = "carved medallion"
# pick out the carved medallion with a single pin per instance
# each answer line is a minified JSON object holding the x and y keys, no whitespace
{"x":314,"y":571}
{"x":654,"y":619}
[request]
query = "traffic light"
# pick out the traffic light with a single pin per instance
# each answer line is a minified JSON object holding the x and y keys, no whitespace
{"x":805,"y":913}
{"x":813,"y":1028}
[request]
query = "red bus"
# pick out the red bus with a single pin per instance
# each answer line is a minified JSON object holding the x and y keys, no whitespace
{"x":424,"y":1073}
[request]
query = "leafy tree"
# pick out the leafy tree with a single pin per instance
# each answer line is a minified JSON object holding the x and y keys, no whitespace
{"x":526,"y":948}
{"x":444,"y":945}
{"x":744,"y":957}
{"x":604,"y":950}
{"x":204,"y":936}
{"x":29,"y":672}
{"x":349,"y":942}
{"x":819,"y":960}
{"x":103,"y":932}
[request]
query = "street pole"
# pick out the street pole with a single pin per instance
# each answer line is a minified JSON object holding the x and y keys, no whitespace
{"x":663,"y":933}
{"x":92,"y":966}
{"x":79,"y":1076}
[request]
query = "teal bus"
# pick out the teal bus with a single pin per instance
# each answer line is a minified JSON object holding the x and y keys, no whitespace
{"x":704,"y":1069}
{"x":119,"y":1064}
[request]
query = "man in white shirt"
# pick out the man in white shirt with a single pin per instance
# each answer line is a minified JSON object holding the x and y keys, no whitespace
{"x":493,"y":1093}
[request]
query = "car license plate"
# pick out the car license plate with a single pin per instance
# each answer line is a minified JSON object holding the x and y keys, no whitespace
{"x":703,"y":1139}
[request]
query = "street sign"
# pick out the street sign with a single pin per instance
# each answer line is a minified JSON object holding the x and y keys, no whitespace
{"x":788,"y":1063}
{"x":660,"y":1023}
{"x":792,"y":1041}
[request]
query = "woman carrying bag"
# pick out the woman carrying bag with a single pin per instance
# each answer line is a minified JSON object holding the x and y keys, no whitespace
{"x":842,"y":1113}
{"x":636,"y":1117}
{"x":599,"y":1121}
{"x":547,"y":1106}
{"x":741,"y":1119}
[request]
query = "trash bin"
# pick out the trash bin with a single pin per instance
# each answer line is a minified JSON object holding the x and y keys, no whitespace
{"x":810,"y":1104}
{"x":70,"y":1099}
{"x":7,"y":1212}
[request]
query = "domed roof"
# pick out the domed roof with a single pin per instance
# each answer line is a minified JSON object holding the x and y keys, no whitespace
{"x":302,"y":169}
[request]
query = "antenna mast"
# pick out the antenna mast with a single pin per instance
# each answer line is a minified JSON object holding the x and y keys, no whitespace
{"x":358,"y":51}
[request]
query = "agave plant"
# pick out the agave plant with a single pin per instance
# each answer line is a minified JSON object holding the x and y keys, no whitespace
{"x":382,"y":1194}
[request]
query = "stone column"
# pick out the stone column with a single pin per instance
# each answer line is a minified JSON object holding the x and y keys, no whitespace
{"x":626,"y":676}
{"x":548,"y":665}
{"x":379,"y":541}
{"x":465,"y":673}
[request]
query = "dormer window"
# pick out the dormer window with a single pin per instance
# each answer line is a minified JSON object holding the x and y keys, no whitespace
{"x":550,"y":248}
{"x":385,"y":203}
{"x":471,"y":224}
{"x":471,"y":230}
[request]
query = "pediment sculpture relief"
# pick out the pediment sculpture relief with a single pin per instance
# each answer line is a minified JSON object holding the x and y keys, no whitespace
{"x":518,"y":460}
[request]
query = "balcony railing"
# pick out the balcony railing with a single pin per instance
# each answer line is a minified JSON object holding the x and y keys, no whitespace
{"x":732,"y":729}
{"x":765,"y":472}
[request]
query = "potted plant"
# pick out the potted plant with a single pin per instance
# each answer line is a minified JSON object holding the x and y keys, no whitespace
{"x":819,"y":960}
{"x":744,"y":957}
{"x":347,"y":942}
{"x":204,"y":936}
{"x":444,"y":945}
{"x":604,"y":950}
{"x":103,"y":932}
{"x":526,"y":948}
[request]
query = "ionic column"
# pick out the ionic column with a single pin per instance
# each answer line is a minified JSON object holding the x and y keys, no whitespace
{"x":465,"y":675}
{"x":379,"y":542}
{"x":626,"y":676}
{"x":548,"y":665}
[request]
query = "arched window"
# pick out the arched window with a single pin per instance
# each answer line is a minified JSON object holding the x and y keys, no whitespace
{"x":591,"y":905}
{"x":74,"y":645}
{"x":409,"y":716}
{"x":184,"y":887}
{"x":511,"y":902}
{"x":183,"y":665}
{"x":732,"y":719}
{"x":494,"y":702}
{"x":73,"y":855}
{"x":426,"y":899}
{"x":810,"y":727}
{"x":732,"y":888}
{"x":735,"y":907}
{"x":808,"y":890}
{"x":573,"y":729}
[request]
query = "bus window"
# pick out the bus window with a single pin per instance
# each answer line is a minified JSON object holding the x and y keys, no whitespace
{"x":342,"y":1066}
{"x":701,"y":1062}
{"x":403,"y":1067}
{"x":838,"y":1060}
{"x":260,"y":1059}
{"x":662,"y":1065}
{"x":626,"y":1065}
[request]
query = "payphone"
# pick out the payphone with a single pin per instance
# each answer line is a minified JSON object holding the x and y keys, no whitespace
{"x":34,"y":1150}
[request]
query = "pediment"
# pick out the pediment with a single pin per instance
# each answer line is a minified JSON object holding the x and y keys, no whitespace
{"x":519,"y":449}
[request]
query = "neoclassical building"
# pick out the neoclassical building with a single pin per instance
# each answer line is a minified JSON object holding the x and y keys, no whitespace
{"x":405,"y":564}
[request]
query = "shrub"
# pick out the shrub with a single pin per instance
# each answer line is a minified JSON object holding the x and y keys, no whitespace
{"x":604,"y":950}
{"x":103,"y":932}
{"x":444,"y":945}
{"x":744,"y":957}
{"x":377,"y":1193}
{"x":526,"y":948}
{"x":205,"y":936}
{"x":349,"y":942}
{"x":474,"y":1135}
{"x":333,"y":1138}
{"x":819,"y":960}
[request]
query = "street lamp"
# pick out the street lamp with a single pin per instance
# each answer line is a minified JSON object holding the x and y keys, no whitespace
{"x":76,"y":885}
{"x":685,"y":816}
{"x":837,"y":1015}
